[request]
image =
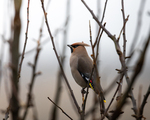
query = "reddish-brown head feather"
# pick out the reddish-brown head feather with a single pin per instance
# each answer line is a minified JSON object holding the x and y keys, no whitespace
{"x":80,"y":44}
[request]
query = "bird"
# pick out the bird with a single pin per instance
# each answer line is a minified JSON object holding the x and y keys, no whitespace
{"x":81,"y":66}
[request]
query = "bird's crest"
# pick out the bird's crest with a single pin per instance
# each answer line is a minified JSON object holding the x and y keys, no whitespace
{"x":80,"y":43}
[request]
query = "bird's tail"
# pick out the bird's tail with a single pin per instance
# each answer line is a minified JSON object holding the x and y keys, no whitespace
{"x":101,"y":94}
{"x":103,"y":98}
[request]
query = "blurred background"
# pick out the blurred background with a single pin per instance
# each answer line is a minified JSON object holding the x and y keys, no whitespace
{"x":71,"y":16}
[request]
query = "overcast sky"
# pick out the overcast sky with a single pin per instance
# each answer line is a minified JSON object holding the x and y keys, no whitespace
{"x":78,"y":32}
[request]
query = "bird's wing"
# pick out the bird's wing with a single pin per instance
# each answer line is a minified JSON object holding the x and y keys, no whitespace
{"x":85,"y":70}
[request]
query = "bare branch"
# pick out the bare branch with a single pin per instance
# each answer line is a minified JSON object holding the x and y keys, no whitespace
{"x":54,"y":48}
{"x":54,"y":110}
{"x":96,"y":70}
{"x":98,"y":39}
{"x":99,"y":23}
{"x":60,"y":109}
{"x":138,"y":69}
{"x":144,"y":102}
{"x":117,"y":46}
{"x":138,"y":26}
{"x":123,"y":29}
{"x":7,"y":113}
{"x":87,"y":91}
{"x":104,"y":11}
{"x":34,"y":74}
{"x":26,"y":38}
{"x":14,"y":50}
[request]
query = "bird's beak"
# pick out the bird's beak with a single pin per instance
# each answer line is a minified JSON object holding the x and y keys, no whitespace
{"x":69,"y":46}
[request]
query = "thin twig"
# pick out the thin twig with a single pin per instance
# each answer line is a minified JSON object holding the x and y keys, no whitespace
{"x":54,"y":110}
{"x":139,"y":97}
{"x":60,"y":109}
{"x":97,"y":37}
{"x":34,"y":74}
{"x":119,"y":83}
{"x":26,"y":38}
{"x":104,"y":11}
{"x":97,"y":80}
{"x":144,"y":102}
{"x":123,"y":33}
{"x":97,"y":50}
{"x":138,"y":69}
{"x":100,"y":26}
{"x":124,"y":50}
{"x":99,"y":23}
{"x":1,"y":57}
{"x":138,"y":25}
{"x":87,"y":91}
{"x":117,"y":46}
{"x":124,"y":29}
{"x":54,"y":48}
{"x":7,"y":113}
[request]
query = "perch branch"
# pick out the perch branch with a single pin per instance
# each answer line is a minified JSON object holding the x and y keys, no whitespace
{"x":54,"y":111}
{"x":96,"y":69}
{"x":87,"y":91}
{"x":54,"y":48}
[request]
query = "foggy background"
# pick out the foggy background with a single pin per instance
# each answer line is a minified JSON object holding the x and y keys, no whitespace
{"x":78,"y":31}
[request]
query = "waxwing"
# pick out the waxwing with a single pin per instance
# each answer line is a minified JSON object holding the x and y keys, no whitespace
{"x":81,"y":68}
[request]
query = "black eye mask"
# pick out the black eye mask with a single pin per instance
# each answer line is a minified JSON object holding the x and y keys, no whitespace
{"x":75,"y":46}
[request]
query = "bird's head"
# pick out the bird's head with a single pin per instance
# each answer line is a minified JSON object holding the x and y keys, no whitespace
{"x":77,"y":45}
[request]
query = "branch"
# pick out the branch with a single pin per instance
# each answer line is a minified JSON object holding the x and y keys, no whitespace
{"x":144,"y":102}
{"x":104,"y":11}
{"x":14,"y":50}
{"x":99,"y":23}
{"x":124,"y":29}
{"x":26,"y":38}
{"x":87,"y":91}
{"x":34,"y":74}
{"x":60,"y":109}
{"x":97,"y":82}
{"x":118,"y":50}
{"x":138,"y":25}
{"x":138,"y":69}
{"x":7,"y":113}
{"x":98,"y":41}
{"x":54,"y":48}
{"x":54,"y":110}
{"x":119,"y":84}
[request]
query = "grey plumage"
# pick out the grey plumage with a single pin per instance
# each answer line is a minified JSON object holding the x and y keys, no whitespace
{"x":81,"y":67}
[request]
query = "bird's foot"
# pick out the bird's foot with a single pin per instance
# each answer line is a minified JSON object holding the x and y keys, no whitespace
{"x":83,"y":91}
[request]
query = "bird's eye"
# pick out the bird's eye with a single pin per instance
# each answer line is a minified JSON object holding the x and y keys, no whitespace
{"x":75,"y":46}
